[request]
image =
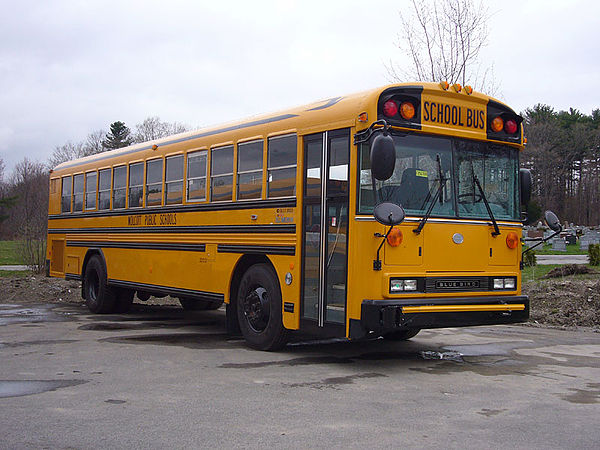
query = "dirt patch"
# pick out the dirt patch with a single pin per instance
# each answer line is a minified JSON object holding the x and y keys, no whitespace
{"x":566,"y":302}
{"x":570,"y":269}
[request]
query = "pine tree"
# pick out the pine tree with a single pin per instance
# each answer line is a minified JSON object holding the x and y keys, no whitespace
{"x":119,"y":136}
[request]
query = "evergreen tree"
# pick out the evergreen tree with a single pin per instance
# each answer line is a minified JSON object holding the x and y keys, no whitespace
{"x":119,"y":136}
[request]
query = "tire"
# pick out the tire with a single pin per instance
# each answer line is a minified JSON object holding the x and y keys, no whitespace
{"x":124,"y":300}
{"x":401,"y":335}
{"x":259,"y":309}
{"x":99,"y":297}
{"x":190,"y":304}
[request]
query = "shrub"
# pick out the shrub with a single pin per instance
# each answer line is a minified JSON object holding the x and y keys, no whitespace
{"x":529,"y":259}
{"x":594,"y":254}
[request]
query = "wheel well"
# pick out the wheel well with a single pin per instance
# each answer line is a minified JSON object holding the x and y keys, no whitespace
{"x":91,"y":252}
{"x":242,"y":265}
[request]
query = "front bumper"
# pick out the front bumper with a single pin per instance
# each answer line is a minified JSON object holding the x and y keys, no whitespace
{"x":383,"y":316}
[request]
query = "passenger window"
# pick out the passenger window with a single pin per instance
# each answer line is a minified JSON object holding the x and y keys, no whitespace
{"x":174,"y":180}
{"x":196,"y":175}
{"x":136,"y":185}
{"x":154,"y":176}
{"x":221,"y":173}
{"x":67,"y":188}
{"x":90,"y":190}
{"x":78,"y":192}
{"x":104,"y":189}
{"x":282,"y":157}
{"x":250,"y":164}
{"x":119,"y":188}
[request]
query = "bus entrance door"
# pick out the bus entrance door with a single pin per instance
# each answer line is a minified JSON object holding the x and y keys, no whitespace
{"x":325,"y":230}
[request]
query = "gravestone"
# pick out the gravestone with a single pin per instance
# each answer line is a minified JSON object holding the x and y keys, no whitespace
{"x":559,"y":245}
{"x":584,"y":244}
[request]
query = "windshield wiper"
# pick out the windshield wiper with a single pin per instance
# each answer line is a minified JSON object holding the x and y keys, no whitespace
{"x":496,"y":231}
{"x":435,"y":198}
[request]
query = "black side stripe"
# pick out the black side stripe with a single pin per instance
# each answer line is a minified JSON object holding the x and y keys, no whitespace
{"x":174,"y":292}
{"x":287,"y":229}
{"x":139,"y":245}
{"x":72,"y":276}
{"x":257,"y":249}
{"x":240,"y":205}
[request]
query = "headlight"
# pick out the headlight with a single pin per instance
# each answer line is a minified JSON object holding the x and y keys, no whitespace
{"x":504,"y":283}
{"x":403,"y":285}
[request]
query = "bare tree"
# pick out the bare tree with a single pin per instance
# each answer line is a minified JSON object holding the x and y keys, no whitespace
{"x":93,"y":143}
{"x":152,"y":128}
{"x":28,"y":217}
{"x":443,"y":41}
{"x":71,"y":150}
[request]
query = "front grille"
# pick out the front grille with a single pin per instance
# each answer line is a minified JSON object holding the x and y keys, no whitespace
{"x":456,"y":284}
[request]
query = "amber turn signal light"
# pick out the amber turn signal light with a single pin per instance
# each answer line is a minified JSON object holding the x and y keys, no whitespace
{"x":512,"y":240}
{"x":394,"y":237}
{"x":407,"y":110}
{"x":497,"y":124}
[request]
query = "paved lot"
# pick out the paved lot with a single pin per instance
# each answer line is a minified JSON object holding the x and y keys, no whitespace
{"x":562,"y":259}
{"x":158,"y":378}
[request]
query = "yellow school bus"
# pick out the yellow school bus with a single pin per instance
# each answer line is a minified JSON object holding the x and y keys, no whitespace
{"x":373,"y":214}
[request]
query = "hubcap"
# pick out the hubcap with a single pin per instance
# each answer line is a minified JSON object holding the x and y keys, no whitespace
{"x":257,"y":308}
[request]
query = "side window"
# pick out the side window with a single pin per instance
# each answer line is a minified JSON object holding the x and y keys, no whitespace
{"x":250,"y":164}
{"x":136,"y":185}
{"x":174,"y":180}
{"x":221,"y":173}
{"x":67,"y":189}
{"x":119,"y":188}
{"x":90,"y":190}
{"x":282,"y":157}
{"x":104,"y":189}
{"x":339,"y":154}
{"x":154,"y":176}
{"x":196,"y":175}
{"x":78,"y":192}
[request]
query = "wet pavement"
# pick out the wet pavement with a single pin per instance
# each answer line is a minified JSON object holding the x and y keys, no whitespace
{"x":161,"y":377}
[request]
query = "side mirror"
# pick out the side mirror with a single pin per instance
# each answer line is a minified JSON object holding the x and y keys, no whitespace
{"x":552,"y":221}
{"x":383,"y":156}
{"x":525,"y":185}
{"x":389,"y":214}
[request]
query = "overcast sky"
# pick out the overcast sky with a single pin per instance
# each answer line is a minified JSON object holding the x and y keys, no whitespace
{"x":69,"y":67}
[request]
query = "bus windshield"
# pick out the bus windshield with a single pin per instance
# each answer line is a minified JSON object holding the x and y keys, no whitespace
{"x":425,"y":162}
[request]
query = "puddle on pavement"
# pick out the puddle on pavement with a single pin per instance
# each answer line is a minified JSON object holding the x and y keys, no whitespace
{"x":16,"y":388}
{"x":144,"y":325}
{"x":218,"y":341}
{"x":29,"y":343}
{"x":11,"y":313}
{"x":584,"y":396}
{"x":335,"y":382}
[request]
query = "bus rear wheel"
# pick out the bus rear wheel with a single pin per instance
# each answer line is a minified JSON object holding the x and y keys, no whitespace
{"x":190,"y":304}
{"x":401,"y":335}
{"x":259,"y":309}
{"x":124,"y":300}
{"x":99,"y":297}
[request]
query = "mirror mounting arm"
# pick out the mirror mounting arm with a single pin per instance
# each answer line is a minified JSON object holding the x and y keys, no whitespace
{"x":377,"y":262}
{"x":363,"y":136}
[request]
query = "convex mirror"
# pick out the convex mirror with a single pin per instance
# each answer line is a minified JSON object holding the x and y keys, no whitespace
{"x":388,"y":213}
{"x":552,"y":221}
{"x":383,"y":156}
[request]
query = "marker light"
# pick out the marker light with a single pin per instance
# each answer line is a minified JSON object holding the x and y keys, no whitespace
{"x":363,"y":117}
{"x":390,"y":108}
{"x":468,"y":90}
{"x":497,"y":124}
{"x":394,"y":237}
{"x":512,"y":240}
{"x":444,"y":85}
{"x":510,"y":126}
{"x":457,"y":87}
{"x":407,"y":110}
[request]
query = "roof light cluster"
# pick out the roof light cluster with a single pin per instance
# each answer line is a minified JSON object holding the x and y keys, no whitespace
{"x":508,"y":125}
{"x":392,"y":107}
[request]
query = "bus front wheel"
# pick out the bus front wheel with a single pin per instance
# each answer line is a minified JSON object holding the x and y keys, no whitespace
{"x":259,"y":309}
{"x":99,"y":297}
{"x":401,"y":335}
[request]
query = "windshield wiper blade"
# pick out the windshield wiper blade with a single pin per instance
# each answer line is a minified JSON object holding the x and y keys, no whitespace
{"x":435,"y":198}
{"x":496,"y":231}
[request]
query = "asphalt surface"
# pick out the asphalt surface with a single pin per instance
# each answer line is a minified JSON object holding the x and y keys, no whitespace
{"x":562,"y":259}
{"x":162,"y":378}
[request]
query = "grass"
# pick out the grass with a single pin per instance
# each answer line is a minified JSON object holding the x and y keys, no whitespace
{"x":14,"y":273}
{"x":546,"y":249}
{"x":536,"y":273}
{"x":8,"y":253}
